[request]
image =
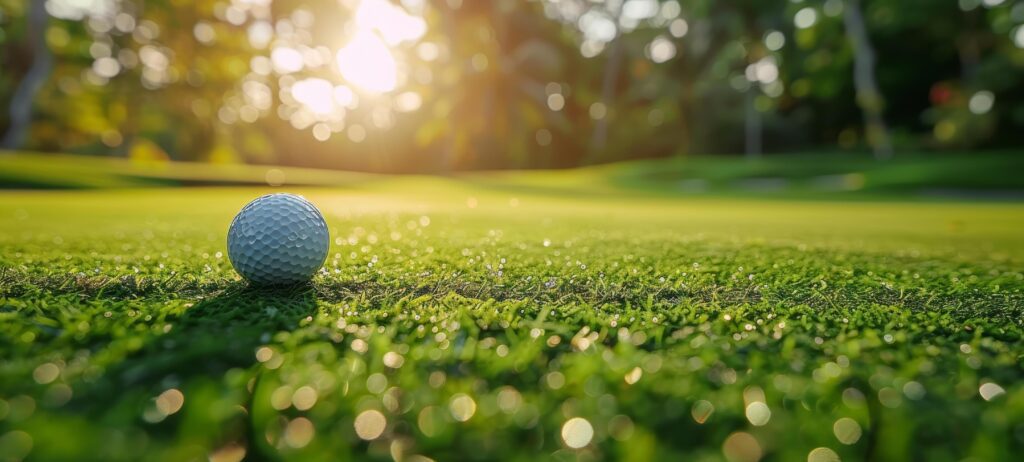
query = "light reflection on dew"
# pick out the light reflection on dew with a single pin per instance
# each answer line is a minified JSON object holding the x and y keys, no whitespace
{"x":393,"y":360}
{"x":281,"y":397}
{"x":741,"y":447}
{"x":369,"y":425}
{"x":889,"y":397}
{"x":376,"y":383}
{"x":462,"y":407}
{"x":823,"y":455}
{"x":753,"y":394}
{"x":555,"y":380}
{"x":299,"y":433}
{"x":702,"y":410}
{"x":634,"y":375}
{"x":436,"y":379}
{"x":853,"y":398}
{"x":46,"y":373}
{"x":758,"y":413}
{"x":392,"y":399}
{"x":304,"y":398}
{"x":990,"y":391}
{"x":170,"y":401}
{"x":428,"y":421}
{"x":509,"y":400}
{"x":847,"y":430}
{"x":264,"y":354}
{"x":231,"y":453}
{"x":914,"y":390}
{"x":577,"y":432}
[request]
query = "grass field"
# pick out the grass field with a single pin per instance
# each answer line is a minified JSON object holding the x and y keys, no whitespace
{"x":456,"y":320}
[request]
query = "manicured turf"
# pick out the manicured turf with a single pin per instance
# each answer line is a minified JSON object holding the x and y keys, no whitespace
{"x":462,"y":321}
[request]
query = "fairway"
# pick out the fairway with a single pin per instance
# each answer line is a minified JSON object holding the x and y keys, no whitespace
{"x":459,"y":321}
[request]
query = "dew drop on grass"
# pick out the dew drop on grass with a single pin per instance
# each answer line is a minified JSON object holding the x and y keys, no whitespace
{"x":170,"y":401}
{"x":634,"y":375}
{"x":376,"y":383}
{"x":741,"y":447}
{"x":847,"y":430}
{"x":822,"y":455}
{"x":370,"y":424}
{"x":701,"y":411}
{"x":299,"y":432}
{"x":393,"y":360}
{"x":46,"y":373}
{"x":462,"y":407}
{"x":990,"y":391}
{"x":304,"y":398}
{"x":758,"y":413}
{"x":577,"y":432}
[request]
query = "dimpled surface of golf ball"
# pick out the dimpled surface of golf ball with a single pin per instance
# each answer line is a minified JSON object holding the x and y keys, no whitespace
{"x":278,"y":239}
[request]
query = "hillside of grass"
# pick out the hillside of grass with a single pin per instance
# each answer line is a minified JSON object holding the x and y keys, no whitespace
{"x":985,"y":176}
{"x":20,"y":170}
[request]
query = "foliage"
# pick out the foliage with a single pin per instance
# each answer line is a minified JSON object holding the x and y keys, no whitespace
{"x":514,"y":84}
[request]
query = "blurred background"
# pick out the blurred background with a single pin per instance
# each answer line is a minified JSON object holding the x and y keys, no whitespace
{"x":444,"y":85}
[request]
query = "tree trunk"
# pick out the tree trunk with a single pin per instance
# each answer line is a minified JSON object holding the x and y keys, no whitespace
{"x":752,"y":125}
{"x":38,"y":73}
{"x":968,"y":48}
{"x":869,"y":98}
{"x":449,"y":152}
{"x":611,"y":74}
{"x":686,"y":121}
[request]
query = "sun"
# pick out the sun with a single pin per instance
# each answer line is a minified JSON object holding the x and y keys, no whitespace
{"x":367,"y":61}
{"x":368,"y":64}
{"x":367,"y":72}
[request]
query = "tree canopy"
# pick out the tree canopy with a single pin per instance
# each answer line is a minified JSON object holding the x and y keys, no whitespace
{"x":440,"y":85}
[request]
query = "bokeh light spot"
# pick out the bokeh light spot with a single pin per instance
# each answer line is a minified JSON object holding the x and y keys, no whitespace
{"x":758,"y":413}
{"x":822,"y":455}
{"x":701,"y":411}
{"x":299,"y":432}
{"x":170,"y":401}
{"x":577,"y":432}
{"x":847,"y":430}
{"x":370,"y":424}
{"x":462,"y":407}
{"x":741,"y":447}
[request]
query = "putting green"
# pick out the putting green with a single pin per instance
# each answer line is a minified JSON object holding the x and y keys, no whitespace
{"x":462,"y":320}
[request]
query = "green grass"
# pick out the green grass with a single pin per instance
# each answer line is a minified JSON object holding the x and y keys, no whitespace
{"x":26,"y":170}
{"x":895,"y":327}
{"x":986,"y":176}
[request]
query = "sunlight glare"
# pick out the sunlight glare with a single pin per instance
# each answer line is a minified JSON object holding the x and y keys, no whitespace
{"x":344,"y":96}
{"x":367,"y":61}
{"x":286,"y":60}
{"x":390,"y":21}
{"x":315,"y":94}
{"x":368,"y":64}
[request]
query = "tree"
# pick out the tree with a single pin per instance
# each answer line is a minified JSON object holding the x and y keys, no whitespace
{"x":42,"y":64}
{"x":869,"y":97}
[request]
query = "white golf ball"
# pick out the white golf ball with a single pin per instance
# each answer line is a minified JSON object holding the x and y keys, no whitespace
{"x":278,"y":239}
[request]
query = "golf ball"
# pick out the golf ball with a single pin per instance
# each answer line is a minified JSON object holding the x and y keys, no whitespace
{"x":278,"y":239}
